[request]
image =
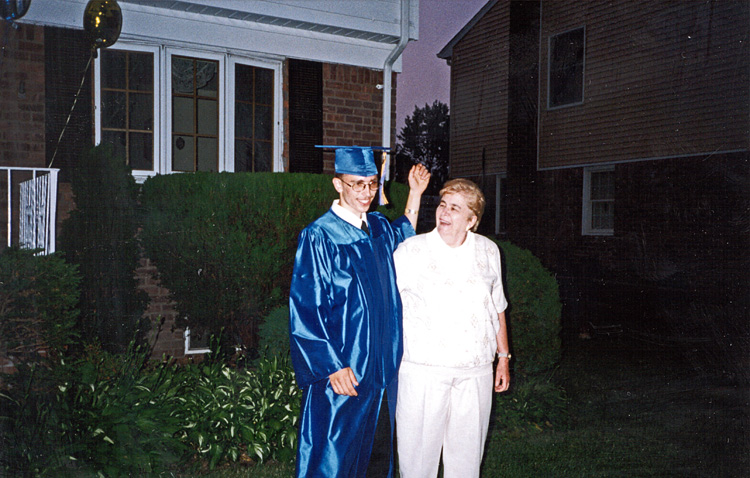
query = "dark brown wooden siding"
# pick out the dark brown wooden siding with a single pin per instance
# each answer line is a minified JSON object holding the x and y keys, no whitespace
{"x":662,"y":79}
{"x":305,"y":116}
{"x":479,"y":96}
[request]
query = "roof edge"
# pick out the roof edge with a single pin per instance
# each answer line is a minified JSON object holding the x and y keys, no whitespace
{"x":447,"y":52}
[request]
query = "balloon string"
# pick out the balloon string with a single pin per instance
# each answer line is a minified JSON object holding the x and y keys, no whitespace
{"x":75,"y":100}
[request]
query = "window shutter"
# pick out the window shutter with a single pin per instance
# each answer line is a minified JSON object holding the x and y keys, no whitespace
{"x":305,"y":116}
{"x":67,"y":52}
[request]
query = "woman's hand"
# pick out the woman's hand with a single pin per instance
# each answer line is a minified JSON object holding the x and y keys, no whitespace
{"x":344,"y":381}
{"x":502,"y":374}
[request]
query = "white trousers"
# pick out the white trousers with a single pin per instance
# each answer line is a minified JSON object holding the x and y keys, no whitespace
{"x":444,"y":409}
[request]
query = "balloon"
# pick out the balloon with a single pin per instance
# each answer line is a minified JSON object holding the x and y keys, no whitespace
{"x":14,"y":9}
{"x":102,"y":20}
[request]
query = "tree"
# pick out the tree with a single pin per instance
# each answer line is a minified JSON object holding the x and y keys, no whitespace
{"x":425,"y":139}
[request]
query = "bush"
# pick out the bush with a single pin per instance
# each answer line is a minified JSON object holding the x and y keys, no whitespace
{"x":100,"y":237}
{"x":114,"y":414}
{"x":239,"y":415}
{"x":534,"y":310}
{"x":120,"y":415}
{"x":274,"y":334}
{"x":535,"y":402}
{"x":99,"y":415}
{"x":224,"y":243}
{"x":38,"y":295}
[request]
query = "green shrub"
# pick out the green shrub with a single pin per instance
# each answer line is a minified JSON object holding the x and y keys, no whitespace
{"x":114,"y":415}
{"x":98,"y":415}
{"x":232,"y":414}
{"x":273,"y":336}
{"x":38,"y":295}
{"x":534,"y":402}
{"x":224,"y":243}
{"x":100,"y":237}
{"x":534,"y":310}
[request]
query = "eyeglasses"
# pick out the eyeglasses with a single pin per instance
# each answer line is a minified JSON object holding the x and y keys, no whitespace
{"x":359,"y":187}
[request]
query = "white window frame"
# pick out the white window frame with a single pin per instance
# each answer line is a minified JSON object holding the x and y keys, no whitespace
{"x":549,"y":70}
{"x":499,"y":201}
{"x":586,"y":228}
{"x":162,"y":142}
{"x":278,"y":110}
{"x":167,"y":100}
{"x":188,"y":349}
{"x":139,"y":174}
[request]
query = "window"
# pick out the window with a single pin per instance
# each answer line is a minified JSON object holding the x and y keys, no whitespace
{"x":253,"y":120}
{"x":174,"y":110}
{"x":566,"y":65}
{"x":195,"y":342}
{"x":195,"y":114}
{"x":599,"y":201}
{"x":127,"y":106}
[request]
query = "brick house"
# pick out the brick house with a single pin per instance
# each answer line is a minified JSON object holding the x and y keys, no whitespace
{"x":612,"y":139}
{"x":199,"y":85}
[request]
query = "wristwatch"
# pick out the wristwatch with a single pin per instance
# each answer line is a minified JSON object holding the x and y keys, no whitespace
{"x":504,"y":355}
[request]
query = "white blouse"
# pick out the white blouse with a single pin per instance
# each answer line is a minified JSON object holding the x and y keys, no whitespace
{"x":451,"y":300}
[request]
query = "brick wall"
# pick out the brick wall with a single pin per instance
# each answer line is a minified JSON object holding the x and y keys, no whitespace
{"x":353,"y":107}
{"x":22,"y":100}
{"x":161,"y":313}
{"x":680,"y":242}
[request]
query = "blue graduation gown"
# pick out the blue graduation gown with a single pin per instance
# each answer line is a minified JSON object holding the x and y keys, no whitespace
{"x":345,"y":311}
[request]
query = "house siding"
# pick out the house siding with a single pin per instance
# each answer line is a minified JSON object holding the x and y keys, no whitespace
{"x":479,"y":96}
{"x":662,"y":79}
{"x":680,"y":243}
{"x":666,"y":104}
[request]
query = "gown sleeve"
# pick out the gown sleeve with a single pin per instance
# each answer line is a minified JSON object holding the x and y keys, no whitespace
{"x":314,"y":355}
{"x":402,"y":229}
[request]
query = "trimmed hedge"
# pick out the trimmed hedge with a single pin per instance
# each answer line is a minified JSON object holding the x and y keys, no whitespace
{"x":534,"y":310}
{"x":224,"y":243}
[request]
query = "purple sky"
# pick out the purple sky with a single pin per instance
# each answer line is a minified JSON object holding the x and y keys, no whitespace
{"x":426,"y":78}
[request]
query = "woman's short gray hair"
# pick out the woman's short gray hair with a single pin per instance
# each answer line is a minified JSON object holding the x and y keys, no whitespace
{"x":470,"y":191}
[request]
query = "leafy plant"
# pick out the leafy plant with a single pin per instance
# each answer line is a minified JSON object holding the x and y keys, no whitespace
{"x":38,"y":295}
{"x":114,"y":416}
{"x":535,"y":402}
{"x":239,"y":415}
{"x":100,"y":237}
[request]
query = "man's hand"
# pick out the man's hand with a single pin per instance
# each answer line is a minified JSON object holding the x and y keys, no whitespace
{"x":419,"y":178}
{"x":344,"y":381}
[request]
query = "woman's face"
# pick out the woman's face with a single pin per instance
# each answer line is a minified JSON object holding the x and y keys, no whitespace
{"x":454,"y":219}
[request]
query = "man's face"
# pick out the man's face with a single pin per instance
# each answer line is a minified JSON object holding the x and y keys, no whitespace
{"x":356,"y":202}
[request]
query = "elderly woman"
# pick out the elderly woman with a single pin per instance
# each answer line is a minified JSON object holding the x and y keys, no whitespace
{"x":454,"y":325}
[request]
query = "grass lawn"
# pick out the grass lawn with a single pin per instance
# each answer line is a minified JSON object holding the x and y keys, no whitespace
{"x":637,"y":410}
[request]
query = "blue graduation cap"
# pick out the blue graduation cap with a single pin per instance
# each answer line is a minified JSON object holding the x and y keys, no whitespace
{"x":355,"y":160}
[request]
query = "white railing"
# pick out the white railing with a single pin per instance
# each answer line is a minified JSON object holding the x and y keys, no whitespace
{"x":33,"y":192}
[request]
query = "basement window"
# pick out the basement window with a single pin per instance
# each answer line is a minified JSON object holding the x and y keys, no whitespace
{"x":599,"y":201}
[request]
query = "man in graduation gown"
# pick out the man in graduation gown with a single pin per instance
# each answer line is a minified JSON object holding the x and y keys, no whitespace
{"x":345,"y":322}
